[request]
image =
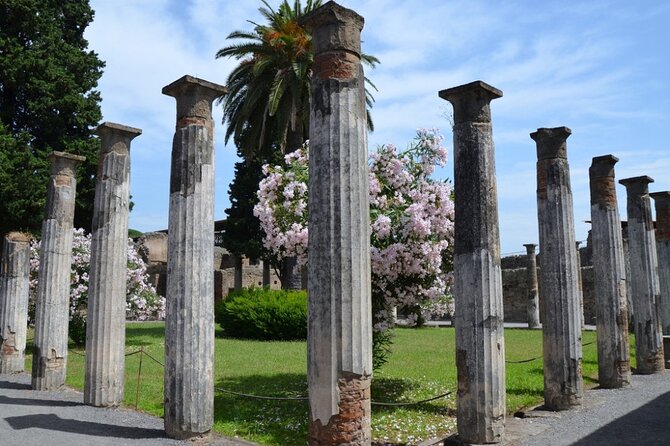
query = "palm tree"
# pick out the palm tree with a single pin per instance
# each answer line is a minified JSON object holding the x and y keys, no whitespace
{"x":267,"y":105}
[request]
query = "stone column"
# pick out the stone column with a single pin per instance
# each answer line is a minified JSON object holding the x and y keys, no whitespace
{"x":562,"y":334}
{"x":339,"y":356}
{"x":644,"y":277}
{"x":52,"y":310}
{"x":531,"y":283}
{"x":189,"y":321}
{"x":662,"y":204}
{"x":609,"y":274}
{"x":106,"y":320}
{"x":237,"y":279}
{"x":629,"y":288}
{"x":580,"y":287}
{"x":480,"y":347}
{"x":14,"y":287}
{"x":266,"y":274}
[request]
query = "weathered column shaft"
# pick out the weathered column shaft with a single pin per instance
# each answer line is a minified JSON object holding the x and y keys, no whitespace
{"x":533,"y":305}
{"x":106,"y":319}
{"x":238,"y":275}
{"x":580,"y":287}
{"x":644,"y":277}
{"x":480,"y":347}
{"x":266,"y":274}
{"x":53,"y":282}
{"x":189,"y":321}
{"x":14,"y":289}
{"x":339,"y":357}
{"x":662,"y":204}
{"x":562,"y":335}
{"x":609,"y":273}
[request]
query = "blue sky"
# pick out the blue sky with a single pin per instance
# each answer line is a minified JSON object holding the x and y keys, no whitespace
{"x":598,"y":67}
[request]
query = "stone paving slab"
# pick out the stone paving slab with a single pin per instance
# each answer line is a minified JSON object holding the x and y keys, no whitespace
{"x":55,"y":418}
{"x":635,"y":415}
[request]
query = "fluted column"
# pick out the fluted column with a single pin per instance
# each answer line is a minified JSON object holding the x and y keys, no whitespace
{"x":106,"y":318}
{"x":644,"y":277}
{"x":562,"y":335}
{"x":189,"y":320}
{"x":480,"y":347}
{"x":14,"y":288}
{"x":533,"y":305}
{"x":662,"y":204}
{"x":339,"y":357}
{"x":580,"y":287}
{"x":609,"y":273}
{"x":53,"y":281}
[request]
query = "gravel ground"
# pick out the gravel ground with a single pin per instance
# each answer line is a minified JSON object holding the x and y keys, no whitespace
{"x":58,"y":418}
{"x":637,"y":415}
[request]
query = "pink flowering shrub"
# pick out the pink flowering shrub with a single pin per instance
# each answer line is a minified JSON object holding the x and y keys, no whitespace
{"x":411,"y":218}
{"x":142,"y":301}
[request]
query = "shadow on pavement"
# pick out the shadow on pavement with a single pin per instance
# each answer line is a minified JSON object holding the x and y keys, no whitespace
{"x":56,"y":423}
{"x":14,"y":386}
{"x":647,"y":426}
{"x":37,"y":402}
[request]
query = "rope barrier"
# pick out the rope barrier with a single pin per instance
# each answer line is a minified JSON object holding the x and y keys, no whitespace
{"x":142,"y":353}
{"x":523,"y":360}
{"x":539,"y":357}
{"x":414,"y":403}
{"x":261,"y":397}
{"x":139,"y":374}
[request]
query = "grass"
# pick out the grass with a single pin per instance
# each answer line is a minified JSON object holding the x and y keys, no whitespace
{"x":422,"y":366}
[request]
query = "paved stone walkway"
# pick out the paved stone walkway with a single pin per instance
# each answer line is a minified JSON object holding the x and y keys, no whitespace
{"x":58,"y":418}
{"x":636,"y":415}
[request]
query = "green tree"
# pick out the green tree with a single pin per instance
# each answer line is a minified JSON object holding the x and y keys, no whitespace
{"x":48,"y":102}
{"x":243,"y":236}
{"x":267,"y":105}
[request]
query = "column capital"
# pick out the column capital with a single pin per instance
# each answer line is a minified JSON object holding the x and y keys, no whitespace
{"x":471,"y":101}
{"x":603,"y":166}
{"x":551,"y":142}
{"x":18,"y":237}
{"x":194,"y":98}
{"x":110,"y":133}
{"x":530,"y":248}
{"x":64,"y":163}
{"x":661,"y":199}
{"x":601,"y":176}
{"x":637,"y":185}
{"x":334,"y":28}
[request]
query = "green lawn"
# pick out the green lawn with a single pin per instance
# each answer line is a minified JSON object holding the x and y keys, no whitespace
{"x":421,"y":366}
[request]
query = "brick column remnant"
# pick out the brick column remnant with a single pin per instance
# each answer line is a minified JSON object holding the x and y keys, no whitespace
{"x":14,"y":287}
{"x":106,"y":320}
{"x":189,"y":322}
{"x":339,"y":358}
{"x":644,"y":277}
{"x":531,"y":282}
{"x":562,"y":335}
{"x":609,"y":273}
{"x":53,"y":283}
{"x":480,"y":348}
{"x":662,"y":204}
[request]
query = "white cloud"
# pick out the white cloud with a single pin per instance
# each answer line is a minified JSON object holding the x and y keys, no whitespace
{"x":599,"y":70}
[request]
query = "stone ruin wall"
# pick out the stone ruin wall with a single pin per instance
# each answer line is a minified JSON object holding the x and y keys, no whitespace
{"x":152,"y":246}
{"x":515,"y":289}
